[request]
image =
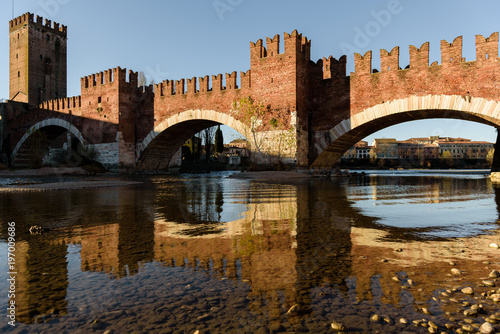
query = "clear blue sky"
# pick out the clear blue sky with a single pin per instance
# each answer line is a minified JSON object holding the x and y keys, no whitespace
{"x":180,"y":39}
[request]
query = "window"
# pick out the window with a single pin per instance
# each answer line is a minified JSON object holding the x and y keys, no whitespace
{"x":99,"y":99}
{"x":47,"y":38}
{"x":18,"y":74}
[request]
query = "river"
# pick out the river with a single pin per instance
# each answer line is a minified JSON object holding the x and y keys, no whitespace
{"x":384,"y":252}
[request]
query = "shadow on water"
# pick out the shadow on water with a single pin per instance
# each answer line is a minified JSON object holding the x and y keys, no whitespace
{"x":226,"y":255}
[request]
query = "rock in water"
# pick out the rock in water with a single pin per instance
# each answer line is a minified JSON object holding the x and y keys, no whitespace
{"x":37,"y":229}
{"x":494,"y":274}
{"x":468,"y":291}
{"x":336,"y":326}
{"x":487,"y":328}
{"x":294,"y":310}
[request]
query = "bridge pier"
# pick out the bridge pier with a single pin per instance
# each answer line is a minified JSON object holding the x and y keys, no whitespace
{"x":495,"y":166}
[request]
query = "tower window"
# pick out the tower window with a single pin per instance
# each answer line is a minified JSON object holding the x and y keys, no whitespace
{"x":47,"y":38}
{"x":99,"y":99}
{"x":17,"y":56}
{"x":18,"y":74}
{"x":41,"y":57}
{"x":48,"y":66}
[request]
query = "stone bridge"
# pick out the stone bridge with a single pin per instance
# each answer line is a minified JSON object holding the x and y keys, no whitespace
{"x":303,"y":113}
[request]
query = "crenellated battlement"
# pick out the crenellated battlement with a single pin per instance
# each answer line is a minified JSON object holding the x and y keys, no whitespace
{"x":333,"y":68}
{"x":419,"y":58}
{"x":178,"y":87}
{"x":62,"y":105}
{"x":389,"y":60}
{"x":363,"y":64}
{"x":298,"y":44}
{"x":487,"y":48}
{"x":47,"y":25}
{"x":451,"y":53}
{"x":295,"y":44}
{"x":110,"y":76}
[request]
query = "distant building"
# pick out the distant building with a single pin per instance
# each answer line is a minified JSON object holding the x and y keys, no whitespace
{"x":431,"y":147}
{"x":385,"y":148}
{"x":361,"y":150}
{"x":467,"y":150}
{"x":238,"y":147}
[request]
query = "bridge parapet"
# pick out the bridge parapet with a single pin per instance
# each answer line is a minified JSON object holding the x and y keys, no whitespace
{"x":65,"y":105}
{"x":178,"y":87}
{"x":486,"y":49}
{"x":454,"y":76}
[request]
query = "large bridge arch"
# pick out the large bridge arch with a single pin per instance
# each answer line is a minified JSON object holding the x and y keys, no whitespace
{"x":50,"y":122}
{"x":159,"y":146}
{"x":332,"y":144}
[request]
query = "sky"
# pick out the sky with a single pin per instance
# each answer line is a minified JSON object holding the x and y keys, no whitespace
{"x":169,"y":39}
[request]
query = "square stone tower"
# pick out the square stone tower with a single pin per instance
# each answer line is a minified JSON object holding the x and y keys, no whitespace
{"x":38,"y":64}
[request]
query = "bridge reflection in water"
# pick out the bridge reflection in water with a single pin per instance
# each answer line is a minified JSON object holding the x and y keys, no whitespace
{"x":310,"y":243}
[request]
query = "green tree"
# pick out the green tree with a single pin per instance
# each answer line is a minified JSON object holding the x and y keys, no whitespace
{"x":219,"y":140}
{"x":254,"y":113}
{"x":208,"y":135}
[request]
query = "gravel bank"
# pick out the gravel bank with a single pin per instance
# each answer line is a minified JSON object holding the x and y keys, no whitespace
{"x":271,"y":175}
{"x":64,"y":185}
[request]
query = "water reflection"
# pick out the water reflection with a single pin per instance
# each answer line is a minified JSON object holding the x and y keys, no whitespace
{"x":331,"y":247}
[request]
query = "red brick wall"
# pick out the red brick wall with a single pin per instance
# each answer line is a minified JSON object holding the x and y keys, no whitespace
{"x":38,"y":60}
{"x":453,"y":76}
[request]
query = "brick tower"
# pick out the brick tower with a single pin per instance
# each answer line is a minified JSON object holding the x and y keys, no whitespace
{"x":37,"y":63}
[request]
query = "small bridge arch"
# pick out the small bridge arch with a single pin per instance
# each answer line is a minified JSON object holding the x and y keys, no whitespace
{"x":331,"y":145}
{"x":159,"y":146}
{"x":55,"y":122}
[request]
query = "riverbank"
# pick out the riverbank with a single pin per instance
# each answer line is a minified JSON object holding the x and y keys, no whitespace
{"x":51,"y":178}
{"x":66,"y":185}
{"x":45,"y":171}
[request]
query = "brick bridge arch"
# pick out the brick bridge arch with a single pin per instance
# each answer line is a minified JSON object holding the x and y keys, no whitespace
{"x":50,"y":122}
{"x":159,"y":146}
{"x":332,"y":144}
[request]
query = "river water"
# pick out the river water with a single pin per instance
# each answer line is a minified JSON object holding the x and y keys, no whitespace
{"x":180,"y":254}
